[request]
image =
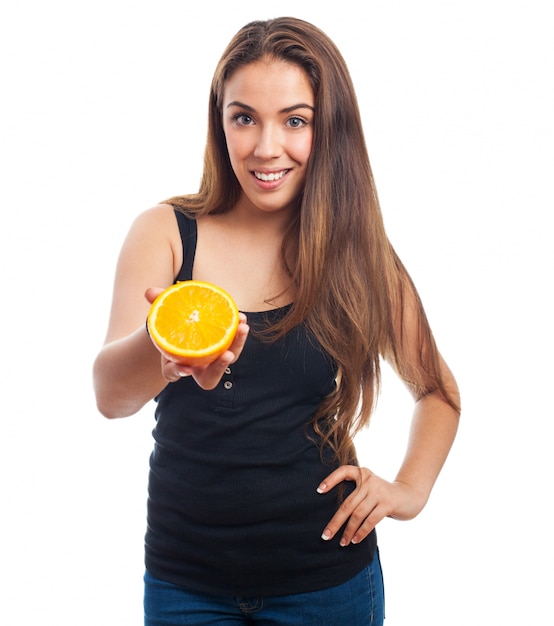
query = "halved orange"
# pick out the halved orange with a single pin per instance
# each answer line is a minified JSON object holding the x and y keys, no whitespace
{"x":193,"y":322}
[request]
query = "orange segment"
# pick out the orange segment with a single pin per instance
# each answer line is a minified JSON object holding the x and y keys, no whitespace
{"x":193,"y":321}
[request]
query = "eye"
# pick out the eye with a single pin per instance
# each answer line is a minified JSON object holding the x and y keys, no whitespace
{"x":296,"y":122}
{"x":243,"y":119}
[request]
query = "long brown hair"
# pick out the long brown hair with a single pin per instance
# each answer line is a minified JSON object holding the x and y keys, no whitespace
{"x":353,"y":293}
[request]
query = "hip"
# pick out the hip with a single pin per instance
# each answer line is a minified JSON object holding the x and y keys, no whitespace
{"x":359,"y":601}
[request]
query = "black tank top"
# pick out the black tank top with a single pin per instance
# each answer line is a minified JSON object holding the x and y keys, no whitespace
{"x":232,"y":502}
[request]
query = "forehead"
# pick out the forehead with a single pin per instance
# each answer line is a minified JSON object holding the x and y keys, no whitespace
{"x":266,"y":82}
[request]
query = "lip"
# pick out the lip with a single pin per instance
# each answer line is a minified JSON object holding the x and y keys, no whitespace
{"x":272,"y":182}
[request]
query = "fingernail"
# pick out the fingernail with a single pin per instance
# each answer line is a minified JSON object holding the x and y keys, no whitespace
{"x":322,"y":488}
{"x":343,"y":543}
{"x":326,"y":535}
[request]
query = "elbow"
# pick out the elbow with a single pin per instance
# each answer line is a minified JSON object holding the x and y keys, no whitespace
{"x":115,"y":402}
{"x":108,"y":396}
{"x":108,"y":411}
{"x":104,"y":403}
{"x":452,"y":396}
{"x":449,"y":390}
{"x":115,"y":410}
{"x":106,"y":407}
{"x":118,"y":396}
{"x":109,"y":400}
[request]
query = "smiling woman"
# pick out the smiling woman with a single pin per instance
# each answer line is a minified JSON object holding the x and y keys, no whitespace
{"x":258,"y":508}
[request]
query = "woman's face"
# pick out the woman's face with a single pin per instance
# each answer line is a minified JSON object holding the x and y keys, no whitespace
{"x":268,"y":114}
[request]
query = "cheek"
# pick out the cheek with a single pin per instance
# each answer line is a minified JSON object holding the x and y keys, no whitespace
{"x":237,"y":148}
{"x":303,"y":148}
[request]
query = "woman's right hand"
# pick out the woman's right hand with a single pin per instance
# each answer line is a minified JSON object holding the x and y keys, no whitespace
{"x":206,"y":376}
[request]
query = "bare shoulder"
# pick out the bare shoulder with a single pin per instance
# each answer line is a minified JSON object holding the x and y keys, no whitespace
{"x":155,"y":227}
{"x":158,"y":216}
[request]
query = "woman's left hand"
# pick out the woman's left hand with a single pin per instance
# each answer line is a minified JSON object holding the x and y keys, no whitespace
{"x":372,"y":500}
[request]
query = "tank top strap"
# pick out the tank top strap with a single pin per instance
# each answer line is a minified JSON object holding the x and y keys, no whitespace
{"x":188,"y":231}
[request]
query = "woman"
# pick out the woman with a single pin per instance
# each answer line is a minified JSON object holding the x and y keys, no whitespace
{"x":258,"y":510}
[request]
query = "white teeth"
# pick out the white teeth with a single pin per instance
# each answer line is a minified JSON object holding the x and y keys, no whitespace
{"x":270,"y":177}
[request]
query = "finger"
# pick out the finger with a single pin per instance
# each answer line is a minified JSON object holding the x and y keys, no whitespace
{"x":345,"y":472}
{"x":368,"y":525}
{"x":240,"y":338}
{"x":152,"y":293}
{"x":173,"y":371}
{"x":351,"y":511}
{"x":375,"y":502}
{"x":209,"y":376}
{"x":361,"y":522}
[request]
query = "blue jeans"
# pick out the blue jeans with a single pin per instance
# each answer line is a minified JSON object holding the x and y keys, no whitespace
{"x":358,"y":602}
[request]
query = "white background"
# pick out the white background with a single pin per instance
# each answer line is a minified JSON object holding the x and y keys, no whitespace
{"x":103,"y":113}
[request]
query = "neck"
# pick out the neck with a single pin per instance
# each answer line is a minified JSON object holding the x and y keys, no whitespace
{"x":250,"y":218}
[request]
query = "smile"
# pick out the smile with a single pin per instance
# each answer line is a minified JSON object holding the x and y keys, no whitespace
{"x":272,"y":176}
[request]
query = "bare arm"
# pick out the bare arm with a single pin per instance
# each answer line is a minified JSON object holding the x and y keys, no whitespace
{"x":433,"y":429}
{"x":127,"y":372}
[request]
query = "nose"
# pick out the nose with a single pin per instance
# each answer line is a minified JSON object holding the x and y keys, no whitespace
{"x":268,"y":144}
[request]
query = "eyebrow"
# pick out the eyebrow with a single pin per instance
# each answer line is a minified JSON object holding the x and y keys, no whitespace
{"x":247,"y":107}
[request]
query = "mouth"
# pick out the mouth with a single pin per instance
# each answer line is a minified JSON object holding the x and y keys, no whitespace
{"x":269,"y":177}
